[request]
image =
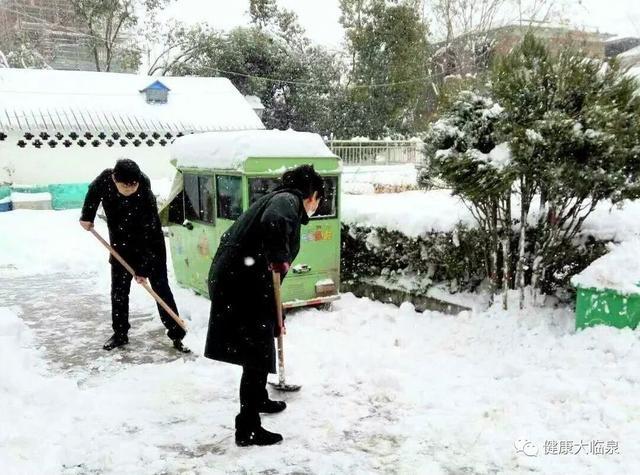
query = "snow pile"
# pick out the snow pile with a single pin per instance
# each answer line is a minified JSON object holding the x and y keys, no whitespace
{"x":229,"y":150}
{"x":34,"y":407}
{"x":416,"y":213}
{"x":394,"y":175}
{"x":610,"y":222}
{"x":413,"y":213}
{"x":30,"y":245}
{"x":357,"y":188}
{"x":618,"y":270}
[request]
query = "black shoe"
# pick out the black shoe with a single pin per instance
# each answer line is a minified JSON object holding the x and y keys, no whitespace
{"x":115,"y":341}
{"x":258,"y":436}
{"x":273,"y":407}
{"x":177,"y":344}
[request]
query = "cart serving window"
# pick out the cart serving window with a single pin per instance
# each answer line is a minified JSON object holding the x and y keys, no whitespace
{"x":328,"y":207}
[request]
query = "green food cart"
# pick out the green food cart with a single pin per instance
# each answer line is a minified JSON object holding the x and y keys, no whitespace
{"x":220,"y":174}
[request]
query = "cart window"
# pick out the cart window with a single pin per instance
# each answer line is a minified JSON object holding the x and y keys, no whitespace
{"x":176,"y":209}
{"x":258,"y":187}
{"x":191,"y":197}
{"x":205,"y":184}
{"x":329,"y":203}
{"x":229,"y":190}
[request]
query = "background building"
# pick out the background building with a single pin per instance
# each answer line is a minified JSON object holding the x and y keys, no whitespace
{"x":59,"y":129}
{"x":49,"y":30}
{"x":473,"y":53}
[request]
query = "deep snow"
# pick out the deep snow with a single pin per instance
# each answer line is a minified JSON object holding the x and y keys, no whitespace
{"x":415,"y":213}
{"x":617,"y":270}
{"x":385,"y":390}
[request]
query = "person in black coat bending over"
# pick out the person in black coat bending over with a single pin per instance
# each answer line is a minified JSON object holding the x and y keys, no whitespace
{"x":243,"y":319}
{"x":136,"y":234}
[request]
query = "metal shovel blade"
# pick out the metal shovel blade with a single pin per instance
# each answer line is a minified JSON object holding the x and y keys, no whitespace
{"x":288,"y":388}
{"x":281,"y":385}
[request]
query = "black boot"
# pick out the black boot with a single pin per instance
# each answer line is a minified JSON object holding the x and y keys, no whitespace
{"x":177,"y":344}
{"x":272,"y":407}
{"x":252,"y":433}
{"x":115,"y":341}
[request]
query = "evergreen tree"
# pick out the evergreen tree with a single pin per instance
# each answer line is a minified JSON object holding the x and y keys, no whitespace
{"x":294,"y":85}
{"x":573,"y":124}
{"x":387,"y":44}
{"x":572,"y":129}
{"x":262,"y":12}
{"x":467,"y":150}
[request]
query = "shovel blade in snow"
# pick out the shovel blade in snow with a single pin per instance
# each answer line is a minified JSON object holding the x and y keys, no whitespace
{"x":289,"y":388}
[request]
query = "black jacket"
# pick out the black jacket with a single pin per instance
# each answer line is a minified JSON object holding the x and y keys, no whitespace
{"x":243,"y":312}
{"x":134,"y":226}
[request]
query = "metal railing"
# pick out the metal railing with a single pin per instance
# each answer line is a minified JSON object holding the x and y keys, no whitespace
{"x":377,"y":152}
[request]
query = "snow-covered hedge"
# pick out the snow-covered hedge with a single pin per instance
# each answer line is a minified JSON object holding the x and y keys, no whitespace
{"x":455,"y":259}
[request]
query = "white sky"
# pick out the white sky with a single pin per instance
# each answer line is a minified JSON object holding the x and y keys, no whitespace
{"x":321,"y":17}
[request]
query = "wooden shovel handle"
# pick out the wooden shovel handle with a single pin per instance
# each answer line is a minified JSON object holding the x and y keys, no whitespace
{"x":147,"y":287}
{"x":278,"y":296}
{"x":280,"y":321}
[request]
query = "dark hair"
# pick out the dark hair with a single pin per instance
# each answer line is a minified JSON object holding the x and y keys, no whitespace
{"x":127,"y":171}
{"x":304,"y":179}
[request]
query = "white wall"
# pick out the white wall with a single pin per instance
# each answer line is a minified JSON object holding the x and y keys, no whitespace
{"x":32,"y":166}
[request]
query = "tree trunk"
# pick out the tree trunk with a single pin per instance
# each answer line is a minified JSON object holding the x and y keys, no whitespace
{"x":537,"y":257}
{"x":506,"y":250}
{"x":525,"y":203}
{"x":522,"y":242}
{"x":495,"y":249}
{"x":96,"y":57}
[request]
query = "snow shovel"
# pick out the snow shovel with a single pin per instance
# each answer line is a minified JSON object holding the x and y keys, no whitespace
{"x":146,"y":286}
{"x":281,"y":385}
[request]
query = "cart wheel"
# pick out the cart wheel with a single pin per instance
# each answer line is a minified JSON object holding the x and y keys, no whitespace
{"x":325,"y":307}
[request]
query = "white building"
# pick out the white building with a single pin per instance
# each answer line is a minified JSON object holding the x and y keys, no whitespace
{"x":62,"y":128}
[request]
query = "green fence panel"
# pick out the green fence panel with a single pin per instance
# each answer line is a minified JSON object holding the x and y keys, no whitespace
{"x":5,"y":191}
{"x":607,"y":307}
{"x":68,"y":196}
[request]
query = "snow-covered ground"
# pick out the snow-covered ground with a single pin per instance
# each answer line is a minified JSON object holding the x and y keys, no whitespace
{"x":385,"y":390}
{"x":413,"y":213}
{"x":362,"y":179}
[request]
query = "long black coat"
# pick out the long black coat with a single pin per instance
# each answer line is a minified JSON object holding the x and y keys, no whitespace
{"x":243,"y":311}
{"x":134,"y":225}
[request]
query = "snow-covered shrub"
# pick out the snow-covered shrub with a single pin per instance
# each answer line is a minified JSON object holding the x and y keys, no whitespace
{"x":455,"y":259}
{"x":561,"y":130}
{"x":467,"y":152}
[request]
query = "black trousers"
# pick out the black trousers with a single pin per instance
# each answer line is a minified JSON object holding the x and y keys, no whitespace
{"x":120,"y":287}
{"x":253,"y":393}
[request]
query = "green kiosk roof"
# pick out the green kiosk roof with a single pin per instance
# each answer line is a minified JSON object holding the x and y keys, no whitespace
{"x":231,"y":150}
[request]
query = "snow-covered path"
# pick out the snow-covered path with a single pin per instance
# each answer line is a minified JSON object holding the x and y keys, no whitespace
{"x":385,"y":390}
{"x":70,"y":318}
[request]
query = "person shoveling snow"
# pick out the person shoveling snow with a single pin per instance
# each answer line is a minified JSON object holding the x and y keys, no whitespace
{"x":245,"y":309}
{"x":135,"y":234}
